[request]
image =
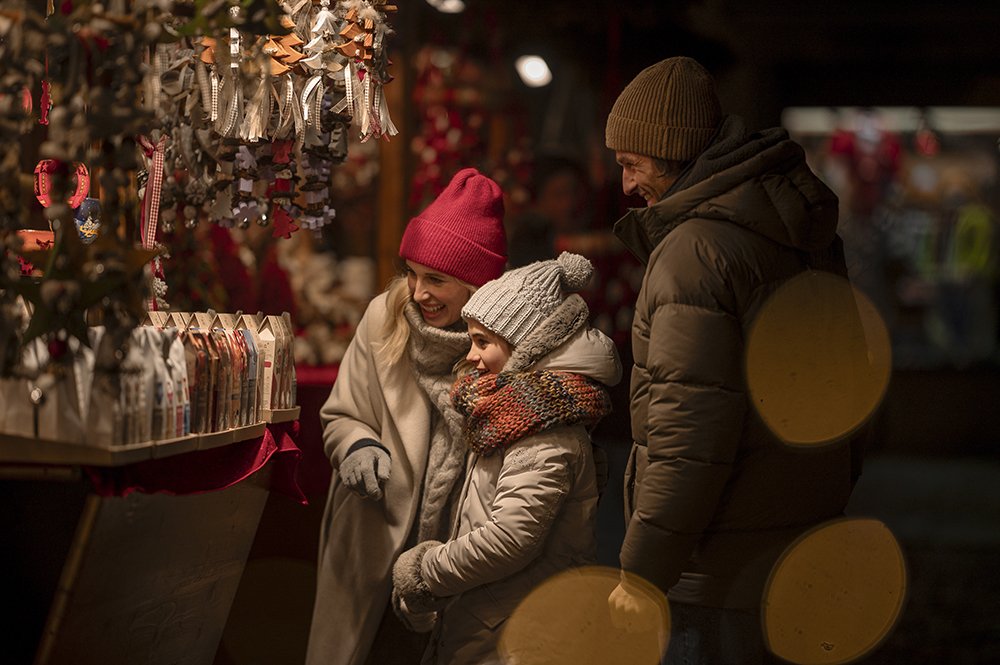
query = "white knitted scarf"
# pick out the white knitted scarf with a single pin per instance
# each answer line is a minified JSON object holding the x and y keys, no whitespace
{"x":433,"y":353}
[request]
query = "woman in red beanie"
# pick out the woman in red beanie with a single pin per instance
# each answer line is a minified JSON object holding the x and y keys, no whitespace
{"x":389,"y":427}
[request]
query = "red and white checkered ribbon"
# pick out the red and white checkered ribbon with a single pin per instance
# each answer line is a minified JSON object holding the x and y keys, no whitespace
{"x":151,"y":202}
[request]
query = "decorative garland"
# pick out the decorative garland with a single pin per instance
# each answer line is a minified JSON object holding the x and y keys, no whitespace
{"x":257,"y":123}
{"x":120,"y":89}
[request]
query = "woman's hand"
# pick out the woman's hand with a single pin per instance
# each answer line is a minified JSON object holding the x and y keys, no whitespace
{"x":366,"y":468}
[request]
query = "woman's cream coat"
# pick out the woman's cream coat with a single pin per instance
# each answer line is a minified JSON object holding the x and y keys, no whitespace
{"x":361,"y":538}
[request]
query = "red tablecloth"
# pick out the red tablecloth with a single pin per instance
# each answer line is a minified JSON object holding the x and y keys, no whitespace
{"x":207,"y":470}
{"x":312,"y":375}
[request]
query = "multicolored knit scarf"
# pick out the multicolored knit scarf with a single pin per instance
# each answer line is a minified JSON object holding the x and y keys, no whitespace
{"x":503,"y":408}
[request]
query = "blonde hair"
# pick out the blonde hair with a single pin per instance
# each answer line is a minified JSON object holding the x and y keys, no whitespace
{"x":396,"y":330}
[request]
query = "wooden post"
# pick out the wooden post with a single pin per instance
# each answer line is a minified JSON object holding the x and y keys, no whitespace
{"x":394,"y":179}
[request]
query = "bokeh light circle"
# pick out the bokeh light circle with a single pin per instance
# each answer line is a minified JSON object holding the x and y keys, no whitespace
{"x":818,"y":359}
{"x":835,"y":594}
{"x":566,"y":621}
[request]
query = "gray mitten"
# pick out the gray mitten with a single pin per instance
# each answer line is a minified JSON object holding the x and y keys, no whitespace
{"x":422,"y":622}
{"x":408,"y":580}
{"x":365,"y":467}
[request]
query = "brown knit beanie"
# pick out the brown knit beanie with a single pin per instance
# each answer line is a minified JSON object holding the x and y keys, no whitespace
{"x":670,"y":111}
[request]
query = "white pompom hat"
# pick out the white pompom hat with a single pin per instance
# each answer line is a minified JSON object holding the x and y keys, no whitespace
{"x":513,"y":304}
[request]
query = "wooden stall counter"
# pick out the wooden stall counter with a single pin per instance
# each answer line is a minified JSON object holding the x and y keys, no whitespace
{"x":133,"y":554}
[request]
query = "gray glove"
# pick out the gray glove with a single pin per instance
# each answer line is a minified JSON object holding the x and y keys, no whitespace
{"x":365,"y":467}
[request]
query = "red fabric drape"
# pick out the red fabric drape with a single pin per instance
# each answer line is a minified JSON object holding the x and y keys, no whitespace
{"x":208,"y":470}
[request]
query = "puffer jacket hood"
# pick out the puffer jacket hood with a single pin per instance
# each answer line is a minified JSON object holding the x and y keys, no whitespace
{"x":759,"y":181}
{"x":565,"y":342}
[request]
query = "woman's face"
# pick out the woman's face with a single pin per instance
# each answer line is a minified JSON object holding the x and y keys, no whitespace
{"x":489,"y":352}
{"x":440,"y":296}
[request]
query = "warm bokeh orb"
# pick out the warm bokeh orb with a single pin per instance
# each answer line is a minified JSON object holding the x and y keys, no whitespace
{"x":818,"y":359}
{"x":835,"y":594}
{"x":566,"y":621}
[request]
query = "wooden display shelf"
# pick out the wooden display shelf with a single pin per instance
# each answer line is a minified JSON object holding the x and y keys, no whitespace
{"x":281,"y":415}
{"x":19,"y":449}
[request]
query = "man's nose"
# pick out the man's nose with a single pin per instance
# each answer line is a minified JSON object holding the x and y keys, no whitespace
{"x":628,"y":183}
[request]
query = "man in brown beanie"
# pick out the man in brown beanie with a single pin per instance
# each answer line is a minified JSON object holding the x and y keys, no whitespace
{"x":713,"y":497}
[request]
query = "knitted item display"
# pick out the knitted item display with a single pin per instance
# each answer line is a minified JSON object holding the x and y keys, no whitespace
{"x":514,"y":304}
{"x":503,"y":408}
{"x":669,"y":110}
{"x":461,"y":232}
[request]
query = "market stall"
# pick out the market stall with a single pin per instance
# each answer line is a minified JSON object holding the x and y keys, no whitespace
{"x":134,"y":555}
{"x":141,"y":432}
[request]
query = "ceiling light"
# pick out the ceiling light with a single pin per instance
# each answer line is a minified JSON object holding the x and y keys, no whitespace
{"x":533,"y":71}
{"x":447,"y":6}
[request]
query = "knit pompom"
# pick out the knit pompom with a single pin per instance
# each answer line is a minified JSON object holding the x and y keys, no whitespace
{"x":516,"y":302}
{"x":576,"y":271}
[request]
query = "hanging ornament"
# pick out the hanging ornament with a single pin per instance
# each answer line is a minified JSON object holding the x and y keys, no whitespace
{"x":88,"y":219}
{"x":924,"y":139}
{"x":47,"y":169}
{"x":44,"y":104}
{"x":283,"y":225}
{"x":358,"y":35}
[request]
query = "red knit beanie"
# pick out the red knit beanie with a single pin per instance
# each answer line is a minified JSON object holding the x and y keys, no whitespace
{"x":461,"y":232}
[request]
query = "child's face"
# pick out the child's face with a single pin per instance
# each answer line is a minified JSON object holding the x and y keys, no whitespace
{"x":440,"y":296}
{"x":489,"y":352}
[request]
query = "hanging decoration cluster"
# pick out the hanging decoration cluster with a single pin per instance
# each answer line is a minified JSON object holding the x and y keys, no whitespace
{"x":73,"y":79}
{"x":231,"y":111}
{"x":256,"y":123}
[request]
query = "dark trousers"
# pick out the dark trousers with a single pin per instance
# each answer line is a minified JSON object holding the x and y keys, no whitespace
{"x":715,"y":636}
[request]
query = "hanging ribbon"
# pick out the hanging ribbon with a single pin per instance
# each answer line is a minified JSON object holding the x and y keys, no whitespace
{"x":341,"y":105}
{"x":215,"y":98}
{"x":201,"y":71}
{"x":310,"y":118}
{"x":231,"y":95}
{"x":367,"y":126}
{"x":160,"y":64}
{"x":285,"y":101}
{"x":300,"y":129}
{"x":383,"y":112}
{"x":231,"y":102}
{"x":151,"y":202}
{"x":258,"y":111}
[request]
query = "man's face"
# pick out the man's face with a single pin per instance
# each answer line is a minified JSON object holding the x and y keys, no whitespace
{"x":640,"y":176}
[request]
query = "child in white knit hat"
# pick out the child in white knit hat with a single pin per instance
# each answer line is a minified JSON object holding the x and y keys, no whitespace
{"x":529,"y":500}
